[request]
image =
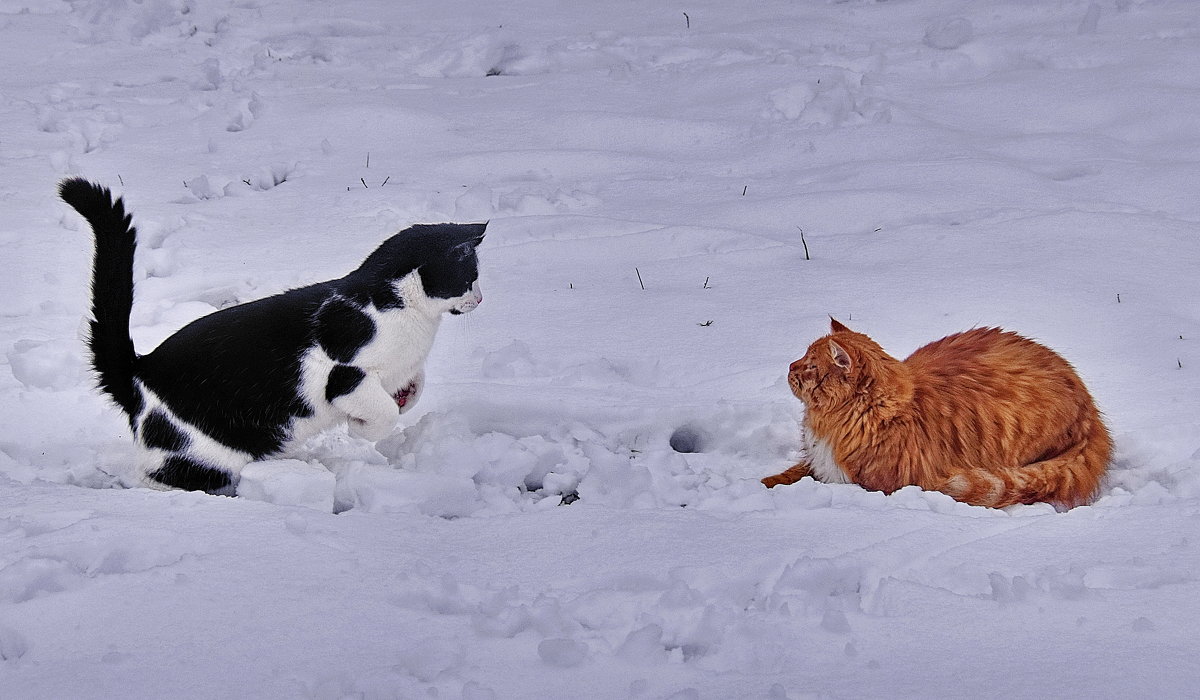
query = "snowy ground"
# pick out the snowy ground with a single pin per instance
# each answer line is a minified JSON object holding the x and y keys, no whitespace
{"x":1020,"y":163}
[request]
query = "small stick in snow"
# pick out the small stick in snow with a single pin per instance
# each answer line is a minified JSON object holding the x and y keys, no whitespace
{"x":744,"y":188}
{"x":705,"y":283}
{"x":688,"y":20}
{"x":368,"y":160}
{"x":639,"y":274}
{"x":1118,"y":298}
{"x":120,"y":180}
{"x":389,"y":177}
{"x":804,"y":243}
{"x":364,"y":182}
{"x":706,"y":324}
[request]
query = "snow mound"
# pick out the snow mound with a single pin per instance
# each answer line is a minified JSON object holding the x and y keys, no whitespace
{"x":52,"y":365}
{"x":288,"y":482}
{"x":949,"y":34}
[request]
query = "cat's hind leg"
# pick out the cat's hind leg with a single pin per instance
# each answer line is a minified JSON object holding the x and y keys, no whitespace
{"x":179,"y":471}
{"x":788,"y":476}
{"x":176,"y":456}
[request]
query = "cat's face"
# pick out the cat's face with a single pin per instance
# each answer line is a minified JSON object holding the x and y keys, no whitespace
{"x":829,"y":371}
{"x":818,"y":378}
{"x":451,"y":278}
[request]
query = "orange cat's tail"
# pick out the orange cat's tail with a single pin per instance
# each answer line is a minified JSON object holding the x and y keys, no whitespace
{"x":1070,"y":478}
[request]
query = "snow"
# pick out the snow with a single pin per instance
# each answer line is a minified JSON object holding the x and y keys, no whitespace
{"x":288,"y":482}
{"x":1017,"y":163}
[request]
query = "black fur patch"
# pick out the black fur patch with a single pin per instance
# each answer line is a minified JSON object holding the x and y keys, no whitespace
{"x":343,"y":379}
{"x":342,"y":329}
{"x":235,"y":374}
{"x":386,"y":298}
{"x":451,"y":273}
{"x":190,"y":475}
{"x":159,"y":432}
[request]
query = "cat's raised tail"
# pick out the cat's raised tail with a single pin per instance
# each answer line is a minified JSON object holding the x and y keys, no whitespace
{"x":1069,"y":479}
{"x":112,"y":350}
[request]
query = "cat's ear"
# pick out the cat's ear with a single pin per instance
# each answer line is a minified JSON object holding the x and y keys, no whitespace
{"x":462,"y":251}
{"x":835,"y":326}
{"x":840,"y":357}
{"x":476,"y":231}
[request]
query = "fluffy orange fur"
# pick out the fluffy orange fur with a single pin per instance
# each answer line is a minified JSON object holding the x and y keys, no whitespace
{"x":986,"y":416}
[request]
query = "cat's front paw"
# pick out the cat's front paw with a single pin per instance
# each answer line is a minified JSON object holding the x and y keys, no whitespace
{"x":773,"y":481}
{"x":406,"y":397}
{"x":370,"y":430}
{"x":789,"y":476}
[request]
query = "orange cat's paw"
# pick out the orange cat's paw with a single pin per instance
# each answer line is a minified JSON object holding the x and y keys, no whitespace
{"x":790,"y":476}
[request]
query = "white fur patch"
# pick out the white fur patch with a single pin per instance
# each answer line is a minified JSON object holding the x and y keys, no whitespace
{"x":394,"y":359}
{"x":315,"y":366}
{"x":956,"y":486}
{"x":997,"y":488}
{"x":820,"y":458}
{"x":959,"y":486}
{"x":200,"y":446}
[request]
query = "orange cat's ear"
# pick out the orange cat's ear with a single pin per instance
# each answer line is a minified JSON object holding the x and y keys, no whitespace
{"x":841,"y":358}
{"x":835,"y":326}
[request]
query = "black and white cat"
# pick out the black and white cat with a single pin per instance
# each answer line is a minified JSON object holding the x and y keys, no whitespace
{"x":249,"y":381}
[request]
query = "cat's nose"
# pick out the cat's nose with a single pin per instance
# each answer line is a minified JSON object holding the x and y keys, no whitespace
{"x":796,"y":366}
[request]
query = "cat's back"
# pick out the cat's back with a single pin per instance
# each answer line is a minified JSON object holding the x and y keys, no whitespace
{"x":270,"y":325}
{"x":254,"y":348}
{"x":994,"y":359}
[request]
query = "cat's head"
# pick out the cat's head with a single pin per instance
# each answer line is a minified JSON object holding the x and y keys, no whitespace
{"x":439,"y":260}
{"x":451,"y":276}
{"x":834,"y":367}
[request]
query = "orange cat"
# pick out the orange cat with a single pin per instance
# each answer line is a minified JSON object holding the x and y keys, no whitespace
{"x":986,"y":416}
